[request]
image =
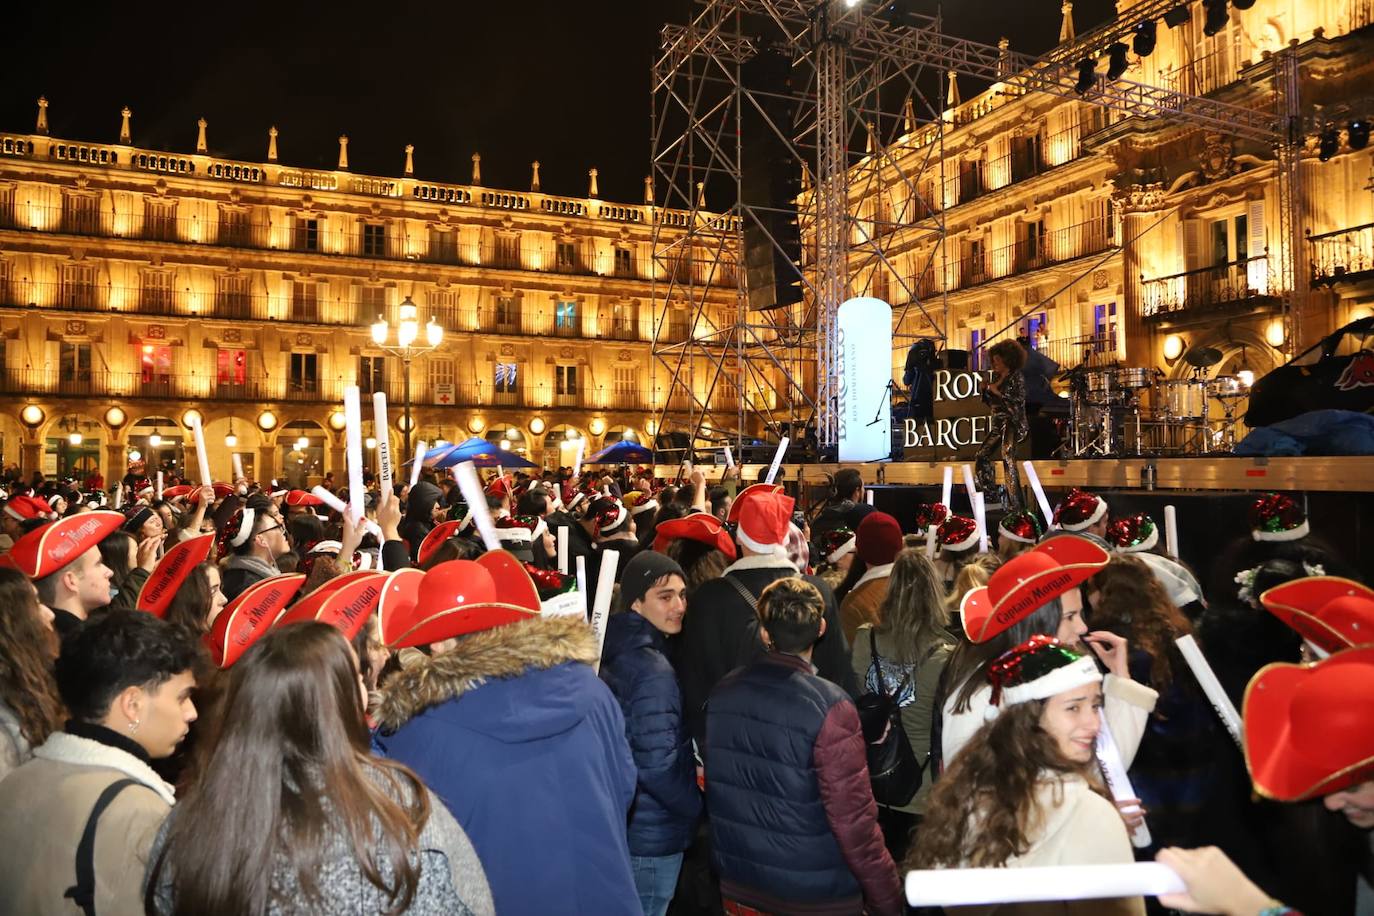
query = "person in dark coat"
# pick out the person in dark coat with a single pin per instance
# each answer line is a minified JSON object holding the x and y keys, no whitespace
{"x":721,"y":630}
{"x":846,"y":507}
{"x":420,"y":514}
{"x":793,"y":823}
{"x":515,"y":733}
{"x":633,"y":664}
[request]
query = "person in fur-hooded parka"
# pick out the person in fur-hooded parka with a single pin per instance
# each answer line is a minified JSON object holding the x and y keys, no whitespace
{"x":513,"y":730}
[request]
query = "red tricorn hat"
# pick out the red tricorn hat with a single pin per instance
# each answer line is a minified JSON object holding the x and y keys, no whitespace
{"x":344,"y":602}
{"x":247,"y":617}
{"x":699,"y":526}
{"x":221,"y":488}
{"x":181,"y":489}
{"x":436,"y":537}
{"x":171,"y":571}
{"x":298,"y":498}
{"x":23,"y":508}
{"x":1309,"y":729}
{"x":1028,"y":581}
{"x":43,"y":551}
{"x":751,"y":492}
{"x":454,"y":599}
{"x":1330,"y":612}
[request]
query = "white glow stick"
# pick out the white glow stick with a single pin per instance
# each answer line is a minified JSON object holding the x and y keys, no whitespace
{"x":601,"y":607}
{"x":341,"y":507}
{"x":1207,"y":680}
{"x":418,"y":463}
{"x":729,"y":457}
{"x":960,"y":886}
{"x":238,"y":467}
{"x":577,"y":461}
{"x":201,"y":456}
{"x":582,"y":583}
{"x":119,"y":494}
{"x":466,"y":475}
{"x":777,"y":460}
{"x":159,"y":485}
{"x":1114,"y":772}
{"x":969,"y":484}
{"x":1034,"y":480}
{"x":353,"y":440}
{"x":868,"y":495}
{"x":947,"y":489}
{"x":1171,"y":530}
{"x":980,"y":516}
{"x":563,"y":549}
{"x":930,"y":540}
{"x":383,"y":433}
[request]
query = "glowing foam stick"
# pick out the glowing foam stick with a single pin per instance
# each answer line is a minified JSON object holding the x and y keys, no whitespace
{"x":238,"y":467}
{"x":159,"y":485}
{"x":577,"y":460}
{"x":1207,"y":680}
{"x":198,"y":433}
{"x":582,"y":580}
{"x":601,"y":607}
{"x":777,"y":460}
{"x":353,"y":441}
{"x":947,"y":489}
{"x":563,"y":549}
{"x":1171,"y":530}
{"x":962,"y":886}
{"x":969,"y":484}
{"x":466,"y":475}
{"x":383,"y":432}
{"x":930,"y":541}
{"x":868,"y":495}
{"x":729,"y":457}
{"x":1114,"y":771}
{"x":418,"y":463}
{"x":341,"y":507}
{"x":980,"y":516}
{"x":1034,"y":480}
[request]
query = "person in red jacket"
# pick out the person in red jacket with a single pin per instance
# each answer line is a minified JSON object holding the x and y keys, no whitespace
{"x":794,"y":827}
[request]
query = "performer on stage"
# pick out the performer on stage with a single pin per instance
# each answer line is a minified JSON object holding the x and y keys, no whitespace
{"x":1006,"y":395}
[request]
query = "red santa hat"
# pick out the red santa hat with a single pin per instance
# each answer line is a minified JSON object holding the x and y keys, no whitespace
{"x":344,"y":602}
{"x":749,"y":493}
{"x":455,"y":599}
{"x":1028,"y":581}
{"x":23,"y":508}
{"x":1038,"y":669}
{"x":1276,"y":517}
{"x":928,"y":514}
{"x":958,"y":532}
{"x":1133,"y":534}
{"x":701,"y":527}
{"x":1080,"y":510}
{"x":1021,"y":527}
{"x":170,"y":573}
{"x":248,"y":616}
{"x":45,"y":550}
{"x":1309,"y":729}
{"x":764,"y":520}
{"x":638,"y":501}
{"x":1331,"y":613}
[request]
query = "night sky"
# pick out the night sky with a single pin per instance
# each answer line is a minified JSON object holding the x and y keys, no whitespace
{"x":566,"y":83}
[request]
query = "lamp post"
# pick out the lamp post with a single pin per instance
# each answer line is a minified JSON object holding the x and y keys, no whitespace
{"x":407,"y":332}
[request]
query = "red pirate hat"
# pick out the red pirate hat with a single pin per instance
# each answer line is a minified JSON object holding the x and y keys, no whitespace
{"x":247,"y":617}
{"x":344,"y":602}
{"x":298,"y":498}
{"x":1276,"y":517}
{"x":1133,"y":534}
{"x":958,"y":532}
{"x":171,"y":571}
{"x":699,"y":526}
{"x":1309,"y":729}
{"x":22,"y":508}
{"x":1026,"y":582}
{"x":45,"y":550}
{"x":749,"y":493}
{"x":437,"y":535}
{"x":221,"y":488}
{"x":1080,"y":510}
{"x":1022,"y":527}
{"x":181,"y":489}
{"x":1330,"y":612}
{"x":456,"y":598}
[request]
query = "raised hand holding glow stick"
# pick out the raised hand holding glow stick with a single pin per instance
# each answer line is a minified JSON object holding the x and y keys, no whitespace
{"x":729,"y":457}
{"x":601,"y":607}
{"x":1034,"y":480}
{"x":1171,"y":530}
{"x":383,"y":433}
{"x":777,"y":460}
{"x":418,"y":464}
{"x":466,"y":475}
{"x":341,"y":507}
{"x":353,"y":441}
{"x":202,"y":458}
{"x":1118,"y":782}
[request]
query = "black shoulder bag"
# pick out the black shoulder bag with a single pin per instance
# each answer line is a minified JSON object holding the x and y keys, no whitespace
{"x":82,"y":893}
{"x":892,"y":766}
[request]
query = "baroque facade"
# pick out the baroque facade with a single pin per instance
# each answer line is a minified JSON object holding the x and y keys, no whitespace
{"x":1110,"y":239}
{"x":137,"y":285}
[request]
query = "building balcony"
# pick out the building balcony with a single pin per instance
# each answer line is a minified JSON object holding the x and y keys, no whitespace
{"x":1025,"y":256}
{"x":1237,"y":286}
{"x":1090,"y":350}
{"x":1343,"y":256}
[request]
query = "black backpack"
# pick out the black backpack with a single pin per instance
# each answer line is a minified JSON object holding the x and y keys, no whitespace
{"x":893,"y":770}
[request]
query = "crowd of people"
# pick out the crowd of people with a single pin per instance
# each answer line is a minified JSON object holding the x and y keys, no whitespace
{"x":229,"y":698}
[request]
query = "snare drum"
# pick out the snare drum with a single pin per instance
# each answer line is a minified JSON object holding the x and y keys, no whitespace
{"x":1184,"y":399}
{"x":1103,"y":388}
{"x":1134,"y":378}
{"x":1227,"y":386}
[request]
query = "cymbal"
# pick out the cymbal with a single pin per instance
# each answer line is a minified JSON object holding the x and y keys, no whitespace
{"x":1202,"y":357}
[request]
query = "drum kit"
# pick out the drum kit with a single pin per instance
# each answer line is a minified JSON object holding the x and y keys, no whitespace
{"x":1108,"y":416}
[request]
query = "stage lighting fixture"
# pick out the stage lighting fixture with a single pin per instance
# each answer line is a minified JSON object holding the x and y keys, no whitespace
{"x":1330,"y":142}
{"x":1144,"y":41}
{"x":1087,"y":75}
{"x":1116,"y":61}
{"x":1357,"y":134}
{"x":1177,"y":16}
{"x":1215,"y":17}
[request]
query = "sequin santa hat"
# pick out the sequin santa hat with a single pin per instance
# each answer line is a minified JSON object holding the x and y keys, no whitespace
{"x":838,"y":543}
{"x":928,"y":514}
{"x":1276,"y":517}
{"x":958,"y":532}
{"x":638,"y":501}
{"x":1021,"y":527}
{"x":1039,"y":668}
{"x":1080,"y":510}
{"x":1133,"y":534}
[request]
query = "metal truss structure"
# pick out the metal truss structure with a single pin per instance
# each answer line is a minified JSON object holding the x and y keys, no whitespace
{"x":865,"y":77}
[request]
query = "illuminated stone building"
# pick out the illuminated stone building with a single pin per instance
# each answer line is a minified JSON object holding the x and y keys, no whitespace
{"x":1113,"y":239}
{"x":137,"y":285}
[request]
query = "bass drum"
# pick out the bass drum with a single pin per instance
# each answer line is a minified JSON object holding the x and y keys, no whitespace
{"x":1184,"y":399}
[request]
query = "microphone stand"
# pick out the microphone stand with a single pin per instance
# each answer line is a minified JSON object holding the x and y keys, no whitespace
{"x":887,"y":397}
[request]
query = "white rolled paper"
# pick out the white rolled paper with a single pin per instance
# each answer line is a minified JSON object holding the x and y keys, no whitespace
{"x":466,"y":475}
{"x":418,"y":463}
{"x":729,"y":457}
{"x":777,"y":460}
{"x":353,"y":441}
{"x":947,"y":489}
{"x":577,"y":461}
{"x":1034,"y":480}
{"x":202,"y":457}
{"x":1118,"y":782}
{"x":601,"y":607}
{"x":1171,"y":530}
{"x":341,"y":507}
{"x":383,"y":433}
{"x":981,"y":517}
{"x":1207,"y":680}
{"x":563,"y":549}
{"x":159,"y":485}
{"x":238,"y":466}
{"x":965,"y":886}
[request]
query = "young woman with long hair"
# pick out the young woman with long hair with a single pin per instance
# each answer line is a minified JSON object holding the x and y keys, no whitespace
{"x":199,"y":600}
{"x":1024,"y":791}
{"x":291,"y":813}
{"x":912,"y":645}
{"x":30,"y":708}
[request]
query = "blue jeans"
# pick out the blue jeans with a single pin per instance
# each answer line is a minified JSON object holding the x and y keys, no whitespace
{"x":656,"y":881}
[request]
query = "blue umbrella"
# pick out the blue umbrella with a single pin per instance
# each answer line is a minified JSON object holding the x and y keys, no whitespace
{"x":434,"y":454}
{"x":483,"y":454}
{"x":622,"y":452}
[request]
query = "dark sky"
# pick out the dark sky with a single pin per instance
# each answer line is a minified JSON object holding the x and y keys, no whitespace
{"x":566,"y":83}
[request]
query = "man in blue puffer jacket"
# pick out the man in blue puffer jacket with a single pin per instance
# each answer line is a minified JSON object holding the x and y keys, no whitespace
{"x":653,"y":592}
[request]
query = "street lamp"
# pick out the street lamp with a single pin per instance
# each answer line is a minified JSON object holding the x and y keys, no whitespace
{"x":407,"y":332}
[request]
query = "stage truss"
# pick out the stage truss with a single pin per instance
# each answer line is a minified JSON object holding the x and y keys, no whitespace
{"x":865,"y":81}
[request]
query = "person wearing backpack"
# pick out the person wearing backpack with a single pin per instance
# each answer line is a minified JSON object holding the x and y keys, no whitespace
{"x":898,"y":664}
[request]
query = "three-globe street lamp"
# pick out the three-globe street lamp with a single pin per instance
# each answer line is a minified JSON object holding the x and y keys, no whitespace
{"x":407,"y":332}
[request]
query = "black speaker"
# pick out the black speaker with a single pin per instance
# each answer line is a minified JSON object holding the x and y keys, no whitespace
{"x":769,"y":182}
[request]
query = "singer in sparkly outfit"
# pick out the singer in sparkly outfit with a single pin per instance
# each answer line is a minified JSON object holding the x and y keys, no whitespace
{"x":1005,"y":393}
